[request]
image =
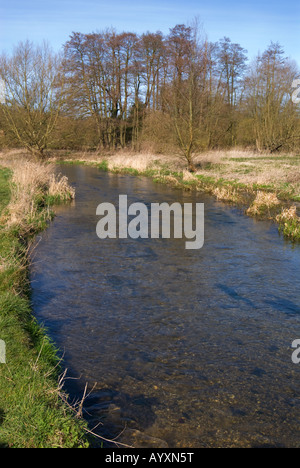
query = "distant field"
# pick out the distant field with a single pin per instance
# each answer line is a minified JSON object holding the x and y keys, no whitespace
{"x":280,"y":173}
{"x":277,"y":173}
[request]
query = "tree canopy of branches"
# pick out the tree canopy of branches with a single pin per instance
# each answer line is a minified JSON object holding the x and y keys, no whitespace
{"x":176,"y":92}
{"x":268,"y":86}
{"x":33,"y":95}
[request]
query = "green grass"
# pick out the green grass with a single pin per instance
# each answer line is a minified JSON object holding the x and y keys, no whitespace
{"x":273,"y":159}
{"x":291,"y":229}
{"x":32,"y":412}
{"x":5,"y":175}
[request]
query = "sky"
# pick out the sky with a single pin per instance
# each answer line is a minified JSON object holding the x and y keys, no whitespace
{"x":253,"y":24}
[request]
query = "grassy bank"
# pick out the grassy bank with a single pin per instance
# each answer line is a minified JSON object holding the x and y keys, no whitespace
{"x":264,"y":185}
{"x":33,"y":413}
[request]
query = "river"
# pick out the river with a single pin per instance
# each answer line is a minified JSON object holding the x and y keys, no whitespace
{"x":182,"y":348}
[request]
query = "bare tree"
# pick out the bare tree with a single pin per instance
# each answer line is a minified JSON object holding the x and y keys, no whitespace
{"x":186,"y":89}
{"x":232,"y":63}
{"x":268,"y":89}
{"x":33,"y":95}
{"x":120,"y":85}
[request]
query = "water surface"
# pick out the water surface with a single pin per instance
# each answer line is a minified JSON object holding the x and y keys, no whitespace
{"x":192,"y":347}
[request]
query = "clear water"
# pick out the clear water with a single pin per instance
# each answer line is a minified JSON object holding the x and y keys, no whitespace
{"x":189,"y":346}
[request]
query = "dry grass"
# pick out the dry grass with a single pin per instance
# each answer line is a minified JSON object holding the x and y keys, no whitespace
{"x":263,"y":204}
{"x":243,"y":166}
{"x":124,"y":159}
{"x":225,"y":194}
{"x":144,"y":161}
{"x":188,"y":176}
{"x":279,"y":174}
{"x":59,"y":187}
{"x":140,"y":162}
{"x":289,"y":222}
{"x":249,"y":167}
{"x":288,"y":214}
{"x":34,"y":186}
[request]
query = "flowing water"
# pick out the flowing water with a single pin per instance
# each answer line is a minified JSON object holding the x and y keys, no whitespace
{"x":185,"y":348}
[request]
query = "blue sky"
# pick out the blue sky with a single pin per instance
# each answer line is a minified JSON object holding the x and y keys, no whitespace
{"x":253,"y":24}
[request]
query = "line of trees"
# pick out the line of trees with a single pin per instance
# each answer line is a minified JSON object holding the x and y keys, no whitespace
{"x":176,"y":92}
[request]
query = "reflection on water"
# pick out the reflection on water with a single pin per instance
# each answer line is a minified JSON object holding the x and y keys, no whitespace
{"x":192,"y":347}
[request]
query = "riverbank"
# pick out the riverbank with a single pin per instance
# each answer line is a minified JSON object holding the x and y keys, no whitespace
{"x":33,"y":408}
{"x":264,"y":185}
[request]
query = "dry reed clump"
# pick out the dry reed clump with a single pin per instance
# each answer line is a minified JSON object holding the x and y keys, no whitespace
{"x":263,"y":204}
{"x":225,"y":193}
{"x":33,"y":186}
{"x":188,"y":176}
{"x":142,"y":162}
{"x":139,"y":162}
{"x":288,"y":214}
{"x":59,"y":187}
{"x":170,"y":179}
{"x":289,"y":222}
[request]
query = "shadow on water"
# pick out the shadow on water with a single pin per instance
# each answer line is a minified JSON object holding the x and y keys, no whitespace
{"x":183,"y":348}
{"x":111,"y":415}
{"x":233,"y":294}
{"x":284,"y":304}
